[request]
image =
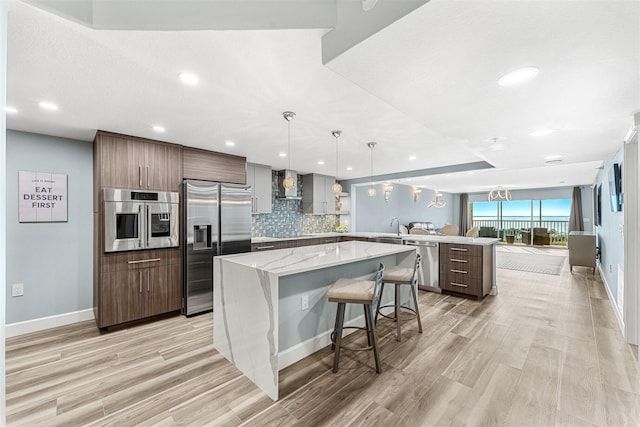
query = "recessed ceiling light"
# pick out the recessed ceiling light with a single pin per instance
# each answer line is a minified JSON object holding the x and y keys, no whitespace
{"x":10,"y":110}
{"x":188,"y":78}
{"x":230,"y":144}
{"x":412,"y":157}
{"x":470,"y":173}
{"x":48,"y":105}
{"x":552,"y":159}
{"x":349,"y":168}
{"x":497,"y":147}
{"x":321,"y":162}
{"x":158,"y":128}
{"x":282,"y":154}
{"x":542,"y":132}
{"x":518,"y":76}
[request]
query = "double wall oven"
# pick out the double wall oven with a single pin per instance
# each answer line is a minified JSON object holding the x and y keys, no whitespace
{"x":139,"y":219}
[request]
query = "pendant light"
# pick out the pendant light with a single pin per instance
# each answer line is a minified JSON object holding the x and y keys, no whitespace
{"x":371,"y":191}
{"x":288,"y":182}
{"x":499,"y":193}
{"x":337,"y":188}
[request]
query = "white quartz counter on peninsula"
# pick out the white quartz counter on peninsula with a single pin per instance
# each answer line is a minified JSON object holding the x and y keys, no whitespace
{"x":260,"y":321}
{"x":374,"y":235}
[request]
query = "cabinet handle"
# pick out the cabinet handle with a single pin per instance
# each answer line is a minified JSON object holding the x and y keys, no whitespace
{"x":458,"y":260}
{"x":260,"y":248}
{"x":329,"y":241}
{"x":459,"y":284}
{"x":148,"y":280}
{"x":140,"y":175}
{"x":148,"y":183}
{"x":256,"y":203}
{"x":140,"y":280}
{"x":143,"y":260}
{"x":459,"y":249}
{"x":458,"y":271}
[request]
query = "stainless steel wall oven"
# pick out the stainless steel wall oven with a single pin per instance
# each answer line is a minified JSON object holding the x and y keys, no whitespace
{"x":135,"y":220}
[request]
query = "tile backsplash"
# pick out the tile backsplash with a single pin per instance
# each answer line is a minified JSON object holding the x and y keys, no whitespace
{"x":286,"y":218}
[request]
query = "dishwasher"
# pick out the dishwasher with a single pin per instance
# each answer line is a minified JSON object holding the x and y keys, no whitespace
{"x":428,"y":275}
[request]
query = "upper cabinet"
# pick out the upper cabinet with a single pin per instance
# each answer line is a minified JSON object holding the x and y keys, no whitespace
{"x":212,"y":166}
{"x":318,"y":197}
{"x":130,"y":162}
{"x":259,"y":178}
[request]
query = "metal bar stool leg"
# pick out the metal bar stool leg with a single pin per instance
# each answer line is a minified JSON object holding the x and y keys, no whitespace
{"x":340,"y":323}
{"x":415,"y":301}
{"x":374,"y":341}
{"x":379,"y":303}
{"x":397,"y":309}
{"x":367,"y":325}
{"x":335,"y":329}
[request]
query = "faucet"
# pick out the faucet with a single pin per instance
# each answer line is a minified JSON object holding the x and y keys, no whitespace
{"x":395,"y":218}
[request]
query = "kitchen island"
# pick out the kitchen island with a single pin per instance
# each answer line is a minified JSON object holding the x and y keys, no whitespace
{"x":270,"y":308}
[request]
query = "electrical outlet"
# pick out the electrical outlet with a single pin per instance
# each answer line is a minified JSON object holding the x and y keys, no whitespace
{"x":305,"y":302}
{"x":17,"y":289}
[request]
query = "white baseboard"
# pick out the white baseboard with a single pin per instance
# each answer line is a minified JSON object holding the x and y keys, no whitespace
{"x":310,"y":346}
{"x":616,"y":310}
{"x":35,"y":325}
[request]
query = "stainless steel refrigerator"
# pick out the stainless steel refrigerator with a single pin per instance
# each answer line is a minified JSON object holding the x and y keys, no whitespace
{"x":217,"y":221}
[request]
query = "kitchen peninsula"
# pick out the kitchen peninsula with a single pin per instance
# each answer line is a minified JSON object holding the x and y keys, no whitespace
{"x":270,"y":308}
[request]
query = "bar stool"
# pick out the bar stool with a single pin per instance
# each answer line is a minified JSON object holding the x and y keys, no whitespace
{"x":401,"y":276}
{"x":365,"y":292}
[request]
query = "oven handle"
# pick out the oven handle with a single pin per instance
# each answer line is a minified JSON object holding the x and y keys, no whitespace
{"x":148,"y":224}
{"x":140,"y":225}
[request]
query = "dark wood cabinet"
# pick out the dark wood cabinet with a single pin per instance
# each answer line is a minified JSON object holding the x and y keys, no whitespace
{"x":212,"y":166}
{"x":137,"y":163}
{"x":466,"y":269}
{"x":138,"y":284}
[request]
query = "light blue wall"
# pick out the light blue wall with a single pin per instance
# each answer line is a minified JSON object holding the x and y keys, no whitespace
{"x":3,"y":193}
{"x":53,"y":260}
{"x":610,"y":240}
{"x":374,"y":214}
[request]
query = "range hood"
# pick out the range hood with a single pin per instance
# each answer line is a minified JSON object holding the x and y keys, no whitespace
{"x":287,"y":193}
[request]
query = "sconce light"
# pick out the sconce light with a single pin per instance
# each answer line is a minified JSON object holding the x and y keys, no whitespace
{"x":416,"y":194}
{"x":437,"y":202}
{"x":387,"y":191}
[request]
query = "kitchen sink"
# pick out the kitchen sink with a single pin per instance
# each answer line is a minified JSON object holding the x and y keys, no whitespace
{"x":389,"y":239}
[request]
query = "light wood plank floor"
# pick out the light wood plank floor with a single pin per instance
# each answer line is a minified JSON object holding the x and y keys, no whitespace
{"x":546,"y":351}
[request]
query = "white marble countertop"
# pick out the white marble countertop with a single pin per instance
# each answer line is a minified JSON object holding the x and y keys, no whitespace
{"x":369,"y":235}
{"x":306,"y":258}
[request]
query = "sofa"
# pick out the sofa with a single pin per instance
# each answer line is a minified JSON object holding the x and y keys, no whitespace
{"x":541,"y":236}
{"x":487,"y":232}
{"x":421,"y":227}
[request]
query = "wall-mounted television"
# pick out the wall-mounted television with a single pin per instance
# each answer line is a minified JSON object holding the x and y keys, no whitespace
{"x":615,"y":187}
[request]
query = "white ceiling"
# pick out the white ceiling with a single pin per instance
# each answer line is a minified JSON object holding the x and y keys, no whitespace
{"x":424,"y":86}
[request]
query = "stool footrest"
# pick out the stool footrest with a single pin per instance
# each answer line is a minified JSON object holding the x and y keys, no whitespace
{"x":333,"y":340}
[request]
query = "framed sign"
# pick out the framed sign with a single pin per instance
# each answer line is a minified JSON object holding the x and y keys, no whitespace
{"x":43,"y":196}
